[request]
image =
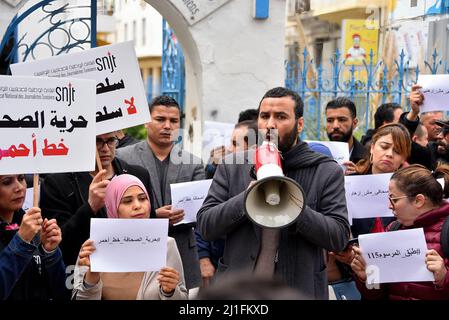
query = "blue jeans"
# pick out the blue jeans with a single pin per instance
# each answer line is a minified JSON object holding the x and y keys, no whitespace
{"x":346,"y":290}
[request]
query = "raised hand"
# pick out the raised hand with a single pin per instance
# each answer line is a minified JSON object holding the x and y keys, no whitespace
{"x":51,"y":234}
{"x":97,"y":191}
{"x":416,"y":100}
{"x":31,"y":224}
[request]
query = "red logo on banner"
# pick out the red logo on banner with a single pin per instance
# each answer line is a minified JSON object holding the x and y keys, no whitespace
{"x":132,"y":108}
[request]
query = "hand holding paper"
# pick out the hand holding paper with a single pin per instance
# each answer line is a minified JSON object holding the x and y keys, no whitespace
{"x":416,"y":99}
{"x":435,"y":90}
{"x":128,"y":245}
{"x":397,"y":256}
{"x":435,"y":264}
{"x":87,"y":249}
{"x":174,"y":216}
{"x":189,"y":197}
{"x":367,"y":196}
{"x":168,"y":279}
{"x":358,"y":264}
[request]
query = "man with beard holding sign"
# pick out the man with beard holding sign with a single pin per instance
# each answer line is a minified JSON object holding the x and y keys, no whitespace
{"x":341,"y":120}
{"x":293,"y":253}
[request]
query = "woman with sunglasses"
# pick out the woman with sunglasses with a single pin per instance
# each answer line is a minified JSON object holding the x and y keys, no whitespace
{"x":416,"y":198}
{"x":31,"y":266}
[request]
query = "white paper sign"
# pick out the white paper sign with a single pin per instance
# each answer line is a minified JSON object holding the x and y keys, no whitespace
{"x":121,"y":100}
{"x":396,"y":256}
{"x":339,"y":150}
{"x":190,"y":197}
{"x":128,"y":245}
{"x":29,"y":196}
{"x":46,"y":125}
{"x":367,"y":195}
{"x":436,"y":92}
{"x":215,"y":134}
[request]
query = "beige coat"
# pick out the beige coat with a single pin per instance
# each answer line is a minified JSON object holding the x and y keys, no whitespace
{"x":149,"y":288}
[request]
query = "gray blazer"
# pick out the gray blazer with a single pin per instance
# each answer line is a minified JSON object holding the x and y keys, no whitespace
{"x":183,"y":167}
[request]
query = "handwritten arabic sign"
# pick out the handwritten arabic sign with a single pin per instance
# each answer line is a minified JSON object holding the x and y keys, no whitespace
{"x":397,"y":256}
{"x":196,"y":10}
{"x":436,"y":92}
{"x":121,"y":100}
{"x":190,"y":197}
{"x":129,"y":245}
{"x":46,"y":125}
{"x":339,"y":150}
{"x":215,"y":134}
{"x":367,"y":196}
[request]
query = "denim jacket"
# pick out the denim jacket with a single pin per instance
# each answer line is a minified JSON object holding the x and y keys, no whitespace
{"x":27,"y":272}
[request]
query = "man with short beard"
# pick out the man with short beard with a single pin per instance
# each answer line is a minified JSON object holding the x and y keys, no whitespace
{"x":294,"y":253}
{"x":341,"y":119}
{"x":442,"y":144}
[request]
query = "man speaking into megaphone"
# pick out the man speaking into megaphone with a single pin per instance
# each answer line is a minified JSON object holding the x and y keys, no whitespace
{"x":279,"y":224}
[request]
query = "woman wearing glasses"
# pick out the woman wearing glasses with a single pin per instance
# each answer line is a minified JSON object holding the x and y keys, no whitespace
{"x":390,"y":148}
{"x":416,"y":198}
{"x":31,"y":266}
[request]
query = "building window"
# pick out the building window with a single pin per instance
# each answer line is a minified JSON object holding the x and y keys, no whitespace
{"x":413,"y":3}
{"x":125,"y":31}
{"x":134,"y":30}
{"x":144,"y":26}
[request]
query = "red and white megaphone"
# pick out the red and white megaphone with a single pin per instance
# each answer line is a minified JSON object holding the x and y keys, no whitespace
{"x":274,"y":201}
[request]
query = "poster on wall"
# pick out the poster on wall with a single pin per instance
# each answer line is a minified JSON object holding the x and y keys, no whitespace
{"x":411,"y":37}
{"x":358,"y":41}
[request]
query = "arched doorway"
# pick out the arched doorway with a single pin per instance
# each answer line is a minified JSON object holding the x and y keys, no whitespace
{"x":232,"y":57}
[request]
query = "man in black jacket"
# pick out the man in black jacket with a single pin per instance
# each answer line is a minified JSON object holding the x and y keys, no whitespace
{"x":74,"y":198}
{"x":294,"y":254}
{"x":341,"y":120}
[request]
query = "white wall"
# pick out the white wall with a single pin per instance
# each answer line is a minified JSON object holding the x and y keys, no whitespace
{"x":233,"y":59}
{"x":8,"y":9}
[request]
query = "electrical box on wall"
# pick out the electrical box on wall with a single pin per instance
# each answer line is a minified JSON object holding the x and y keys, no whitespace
{"x":261,"y":9}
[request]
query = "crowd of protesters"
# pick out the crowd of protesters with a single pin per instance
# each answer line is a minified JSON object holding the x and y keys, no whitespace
{"x":310,"y":256}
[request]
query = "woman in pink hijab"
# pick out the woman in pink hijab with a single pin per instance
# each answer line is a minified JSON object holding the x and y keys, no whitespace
{"x":127,"y":198}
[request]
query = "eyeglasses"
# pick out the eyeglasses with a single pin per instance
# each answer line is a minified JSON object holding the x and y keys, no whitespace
{"x":111,"y":142}
{"x":395,"y":199}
